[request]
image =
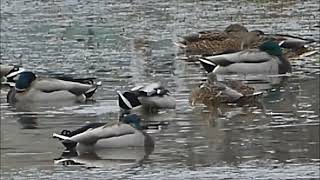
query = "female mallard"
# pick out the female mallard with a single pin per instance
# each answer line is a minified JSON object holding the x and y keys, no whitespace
{"x":268,"y":59}
{"x":29,"y":88}
{"x":8,"y":73}
{"x":237,"y":37}
{"x":213,"y":92}
{"x":127,"y":133}
{"x":151,"y":97}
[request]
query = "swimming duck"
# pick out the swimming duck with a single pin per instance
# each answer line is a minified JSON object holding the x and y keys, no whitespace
{"x":237,"y":37}
{"x":267,"y":59}
{"x":8,"y":73}
{"x":93,"y":136}
{"x":151,"y":97}
{"x":30,"y":88}
{"x":213,"y":92}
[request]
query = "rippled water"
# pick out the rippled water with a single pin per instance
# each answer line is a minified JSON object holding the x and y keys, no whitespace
{"x":129,"y":42}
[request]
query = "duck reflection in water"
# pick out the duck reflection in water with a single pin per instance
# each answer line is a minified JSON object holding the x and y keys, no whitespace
{"x":117,"y":157}
{"x":104,"y":144}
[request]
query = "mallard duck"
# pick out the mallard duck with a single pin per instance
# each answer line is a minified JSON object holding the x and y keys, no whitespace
{"x":30,"y":88}
{"x":268,"y":59}
{"x":237,"y":37}
{"x":152,"y":96}
{"x":8,"y":73}
{"x":213,"y":92}
{"x":93,"y":136}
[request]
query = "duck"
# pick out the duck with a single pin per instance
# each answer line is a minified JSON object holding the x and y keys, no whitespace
{"x":267,"y":59}
{"x":150,"y":97}
{"x":236,"y":37}
{"x":8,"y":73}
{"x":94,"y":136}
{"x":213,"y":92}
{"x":29,"y":88}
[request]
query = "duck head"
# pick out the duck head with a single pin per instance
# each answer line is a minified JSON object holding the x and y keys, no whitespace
{"x":24,"y":81}
{"x":271,"y":48}
{"x":133,"y":120}
{"x":236,"y":28}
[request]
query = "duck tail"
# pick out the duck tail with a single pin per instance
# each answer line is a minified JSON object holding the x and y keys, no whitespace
{"x":66,"y":141}
{"x":128,"y":100}
{"x":91,"y":91}
{"x":207,"y":64}
{"x":180,"y":45}
{"x":250,"y":98}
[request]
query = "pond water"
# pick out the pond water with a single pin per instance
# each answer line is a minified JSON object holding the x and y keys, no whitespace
{"x":123,"y":43}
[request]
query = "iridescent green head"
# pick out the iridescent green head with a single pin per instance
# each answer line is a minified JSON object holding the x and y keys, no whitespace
{"x":134,"y":120}
{"x":271,"y":48}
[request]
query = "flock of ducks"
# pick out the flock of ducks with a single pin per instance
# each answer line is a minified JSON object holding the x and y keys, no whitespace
{"x":232,"y":51}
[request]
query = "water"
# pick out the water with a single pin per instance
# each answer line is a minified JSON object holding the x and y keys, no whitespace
{"x":126,"y":43}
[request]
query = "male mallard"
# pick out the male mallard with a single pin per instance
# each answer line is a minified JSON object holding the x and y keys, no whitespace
{"x":268,"y":59}
{"x":237,"y":37}
{"x":30,"y":88}
{"x":8,"y":73}
{"x":127,"y":133}
{"x":152,"y":96}
{"x":213,"y":92}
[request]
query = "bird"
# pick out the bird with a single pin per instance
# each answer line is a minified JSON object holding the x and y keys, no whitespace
{"x":151,"y":97}
{"x":8,"y":73}
{"x":267,"y":59}
{"x":95,"y":136}
{"x":236,"y":37}
{"x":30,"y":88}
{"x":213,"y":92}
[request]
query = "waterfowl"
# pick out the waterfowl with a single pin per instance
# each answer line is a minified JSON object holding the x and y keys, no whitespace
{"x":267,"y":59}
{"x":151,"y":97}
{"x":8,"y":73}
{"x":235,"y":37}
{"x":30,"y":88}
{"x":94,"y":136}
{"x":213,"y":92}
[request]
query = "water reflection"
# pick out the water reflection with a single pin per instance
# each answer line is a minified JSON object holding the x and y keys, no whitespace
{"x":107,"y":158}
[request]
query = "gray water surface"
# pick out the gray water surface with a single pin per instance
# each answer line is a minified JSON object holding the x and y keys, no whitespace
{"x":124,"y":43}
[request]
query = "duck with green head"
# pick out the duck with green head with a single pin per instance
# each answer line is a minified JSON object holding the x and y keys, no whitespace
{"x":267,"y":59}
{"x":93,"y":136}
{"x":30,"y":88}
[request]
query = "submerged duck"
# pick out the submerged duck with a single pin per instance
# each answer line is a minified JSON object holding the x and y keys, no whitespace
{"x":8,"y":73}
{"x":267,"y":59}
{"x":151,"y":97}
{"x":93,"y":136}
{"x":214,"y":92}
{"x":237,"y":37}
{"x":30,"y":88}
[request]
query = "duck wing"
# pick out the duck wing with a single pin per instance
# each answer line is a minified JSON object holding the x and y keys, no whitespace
{"x":92,"y":135}
{"x":246,"y":56}
{"x":50,"y":85}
